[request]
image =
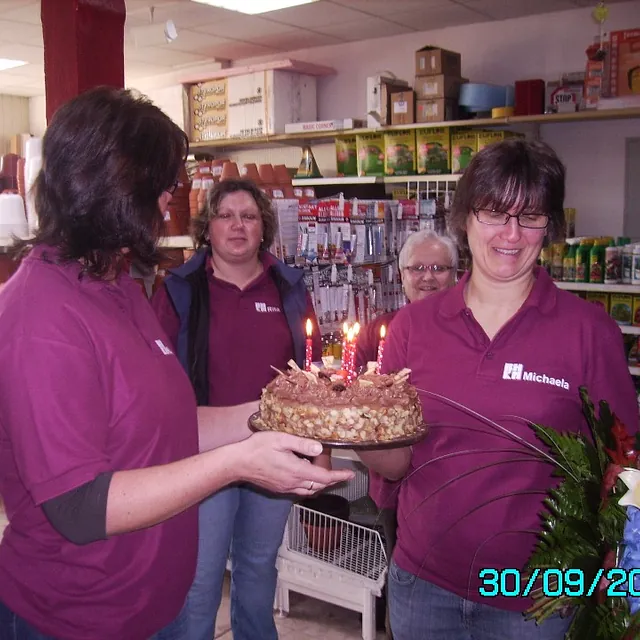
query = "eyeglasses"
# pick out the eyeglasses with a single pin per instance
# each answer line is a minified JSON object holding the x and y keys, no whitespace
{"x":248,"y":217}
{"x":173,"y":187}
{"x":526,"y":220}
{"x":435,"y":269}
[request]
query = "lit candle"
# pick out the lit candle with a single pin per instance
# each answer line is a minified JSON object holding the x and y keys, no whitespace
{"x":356,"y":331}
{"x":383,"y":333}
{"x":308,"y":347}
{"x":345,"y":346}
{"x":348,"y":366}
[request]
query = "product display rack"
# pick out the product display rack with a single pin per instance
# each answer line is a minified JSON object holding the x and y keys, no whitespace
{"x":328,"y":136}
{"x":348,"y":180}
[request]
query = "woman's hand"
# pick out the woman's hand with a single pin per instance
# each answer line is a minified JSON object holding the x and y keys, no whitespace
{"x":269,"y":461}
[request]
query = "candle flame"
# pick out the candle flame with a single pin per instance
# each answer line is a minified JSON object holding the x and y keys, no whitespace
{"x":383,"y":332}
{"x":356,"y":329}
{"x":309,"y":328}
{"x":350,"y":335}
{"x":345,"y":328}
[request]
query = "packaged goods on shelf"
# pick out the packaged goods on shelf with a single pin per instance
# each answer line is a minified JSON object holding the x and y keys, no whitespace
{"x":636,"y":311}
{"x":323,"y":125}
{"x":433,"y":150}
{"x":250,"y":105}
{"x":464,"y":145}
{"x":624,"y":62}
{"x":379,"y":91}
{"x":403,"y":107}
{"x":601,"y":299}
{"x":370,"y":148}
{"x":346,"y":156}
{"x":400,"y":152}
{"x":434,"y":61}
{"x":286,"y":240}
{"x":622,"y":308}
{"x":436,"y":110}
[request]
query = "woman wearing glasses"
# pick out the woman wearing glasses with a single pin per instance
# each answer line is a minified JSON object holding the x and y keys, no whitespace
{"x":506,"y":344}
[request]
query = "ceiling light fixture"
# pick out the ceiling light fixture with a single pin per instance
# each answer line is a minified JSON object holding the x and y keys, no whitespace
{"x":154,"y":33}
{"x":253,"y":7}
{"x":7,"y":63}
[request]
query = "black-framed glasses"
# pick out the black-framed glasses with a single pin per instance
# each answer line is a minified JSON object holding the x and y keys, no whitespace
{"x":435,"y":269}
{"x":526,"y":220}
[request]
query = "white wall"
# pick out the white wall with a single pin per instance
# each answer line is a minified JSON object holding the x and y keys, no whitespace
{"x":14,"y":119}
{"x":541,"y":46}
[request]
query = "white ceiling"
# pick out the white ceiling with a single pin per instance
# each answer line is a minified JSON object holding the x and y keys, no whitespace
{"x":207,"y":33}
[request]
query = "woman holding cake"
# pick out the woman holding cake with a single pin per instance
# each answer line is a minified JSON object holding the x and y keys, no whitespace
{"x":99,"y":465}
{"x":233,"y":312}
{"x":507,"y":344}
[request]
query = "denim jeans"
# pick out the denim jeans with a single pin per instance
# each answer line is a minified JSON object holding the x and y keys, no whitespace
{"x":419,"y":609}
{"x":12,"y":627}
{"x":251,"y":525}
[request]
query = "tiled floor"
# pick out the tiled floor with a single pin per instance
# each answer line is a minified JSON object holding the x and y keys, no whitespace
{"x":308,"y":619}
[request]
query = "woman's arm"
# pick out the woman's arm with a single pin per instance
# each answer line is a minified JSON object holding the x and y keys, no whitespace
{"x":219,"y":426}
{"x":140,"y":498}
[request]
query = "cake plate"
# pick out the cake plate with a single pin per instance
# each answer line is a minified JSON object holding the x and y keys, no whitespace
{"x":256,"y":424}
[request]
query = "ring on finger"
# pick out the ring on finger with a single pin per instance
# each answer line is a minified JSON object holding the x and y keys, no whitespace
{"x":311,"y":483}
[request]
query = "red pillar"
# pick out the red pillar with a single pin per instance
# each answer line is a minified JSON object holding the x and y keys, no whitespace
{"x":83,"y":47}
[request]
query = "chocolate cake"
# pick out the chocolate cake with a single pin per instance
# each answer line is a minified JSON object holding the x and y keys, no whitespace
{"x":321,"y":404}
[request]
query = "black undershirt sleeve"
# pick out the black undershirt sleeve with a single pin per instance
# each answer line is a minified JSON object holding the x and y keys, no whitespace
{"x":80,"y":515}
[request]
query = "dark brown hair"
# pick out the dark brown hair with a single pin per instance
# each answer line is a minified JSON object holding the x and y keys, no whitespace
{"x":200,"y":224}
{"x":514,"y":173}
{"x":107,"y":156}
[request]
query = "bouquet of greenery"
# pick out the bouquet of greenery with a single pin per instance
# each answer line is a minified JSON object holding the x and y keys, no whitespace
{"x":591,"y":530}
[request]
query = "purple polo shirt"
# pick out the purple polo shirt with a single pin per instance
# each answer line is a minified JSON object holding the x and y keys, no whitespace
{"x":248,"y":332}
{"x":472,"y":493}
{"x":88,"y":384}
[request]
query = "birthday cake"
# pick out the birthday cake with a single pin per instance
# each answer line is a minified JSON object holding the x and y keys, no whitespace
{"x":322,"y":404}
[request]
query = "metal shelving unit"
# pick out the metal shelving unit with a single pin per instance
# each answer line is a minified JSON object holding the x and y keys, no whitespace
{"x":632,"y":289}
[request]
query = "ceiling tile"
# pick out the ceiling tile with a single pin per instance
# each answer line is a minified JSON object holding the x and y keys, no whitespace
{"x":166,"y":56}
{"x":24,"y":52}
{"x":297,"y":39}
{"x":24,"y":13}
{"x":505,"y":9}
{"x":21,"y":33}
{"x":440,"y":17}
{"x":387,"y":8}
{"x":368,"y":27}
{"x":314,"y":15}
{"x":244,"y":27}
{"x":185,"y":15}
{"x":195,"y":42}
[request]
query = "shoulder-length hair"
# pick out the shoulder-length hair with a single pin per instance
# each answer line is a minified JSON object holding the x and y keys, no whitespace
{"x":200,"y":224}
{"x":107,"y":157}
{"x":513,"y":174}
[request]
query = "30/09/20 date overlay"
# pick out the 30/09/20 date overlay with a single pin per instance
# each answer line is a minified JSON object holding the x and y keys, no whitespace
{"x":510,"y":583}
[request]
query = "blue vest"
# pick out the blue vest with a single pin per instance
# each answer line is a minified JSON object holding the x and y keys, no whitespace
{"x":290,"y":284}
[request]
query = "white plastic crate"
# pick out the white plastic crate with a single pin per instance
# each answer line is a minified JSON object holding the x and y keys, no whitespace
{"x":333,"y":560}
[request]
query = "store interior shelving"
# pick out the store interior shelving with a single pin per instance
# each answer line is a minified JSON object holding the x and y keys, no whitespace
{"x":327,"y":136}
{"x":360,"y":180}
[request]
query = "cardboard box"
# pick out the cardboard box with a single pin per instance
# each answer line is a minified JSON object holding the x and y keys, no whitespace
{"x":346,"y":156}
{"x":624,"y":61}
{"x":324,"y":125}
{"x":439,"y":86}
{"x":464,"y":145}
{"x":370,"y":148}
{"x":403,"y":107}
{"x":636,"y":311}
{"x":433,"y":150}
{"x":438,"y":110}
{"x":622,"y":308}
{"x":379,"y":91}
{"x":400,"y":153}
{"x":435,"y":61}
{"x":485,"y":138}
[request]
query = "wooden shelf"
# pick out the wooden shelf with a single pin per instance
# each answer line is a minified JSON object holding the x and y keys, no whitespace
{"x":632,"y":289}
{"x":316,"y":182}
{"x":327,"y":136}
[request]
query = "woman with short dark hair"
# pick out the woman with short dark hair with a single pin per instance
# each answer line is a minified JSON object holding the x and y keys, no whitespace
{"x":99,"y":430}
{"x":501,"y":349}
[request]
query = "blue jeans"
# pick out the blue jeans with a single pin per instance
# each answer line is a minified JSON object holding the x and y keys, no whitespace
{"x":251,"y":525}
{"x":12,"y":627}
{"x":419,"y":609}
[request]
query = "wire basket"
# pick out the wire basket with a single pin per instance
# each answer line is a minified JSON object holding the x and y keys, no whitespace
{"x":339,"y":543}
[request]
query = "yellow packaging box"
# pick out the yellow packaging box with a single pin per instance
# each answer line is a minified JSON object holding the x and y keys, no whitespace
{"x":400,"y":153}
{"x":464,"y":145}
{"x":599,"y":298}
{"x":622,"y":308}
